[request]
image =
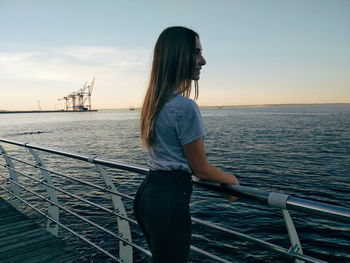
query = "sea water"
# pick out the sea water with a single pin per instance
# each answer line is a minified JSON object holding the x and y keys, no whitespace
{"x":299,"y":150}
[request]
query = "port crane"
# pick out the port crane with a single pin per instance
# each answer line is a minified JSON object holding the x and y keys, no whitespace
{"x":79,"y":100}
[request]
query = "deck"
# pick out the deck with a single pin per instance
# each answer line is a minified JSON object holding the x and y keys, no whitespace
{"x":22,"y":240}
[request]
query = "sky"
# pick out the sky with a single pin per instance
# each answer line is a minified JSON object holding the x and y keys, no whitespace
{"x":257,"y":52}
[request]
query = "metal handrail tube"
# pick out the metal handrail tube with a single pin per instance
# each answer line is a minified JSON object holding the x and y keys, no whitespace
{"x":65,"y":227}
{"x":69,"y":177}
{"x":73,"y":195}
{"x":318,"y":208}
{"x":296,"y":204}
{"x":260,"y":242}
{"x":242,"y":191}
{"x":292,"y":203}
{"x":59,"y":152}
{"x":137,"y":168}
{"x":89,"y":158}
{"x":82,"y":218}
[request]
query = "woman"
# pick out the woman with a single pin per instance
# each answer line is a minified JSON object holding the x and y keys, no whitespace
{"x":173,"y":131}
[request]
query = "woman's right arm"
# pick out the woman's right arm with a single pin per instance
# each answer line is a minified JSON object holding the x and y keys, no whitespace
{"x":197,"y":160}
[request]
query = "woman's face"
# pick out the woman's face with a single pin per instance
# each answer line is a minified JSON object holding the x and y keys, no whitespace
{"x":199,"y":60}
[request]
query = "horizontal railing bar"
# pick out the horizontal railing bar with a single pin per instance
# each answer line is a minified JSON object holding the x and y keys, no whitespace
{"x":69,"y":177}
{"x":81,"y":217}
{"x":137,"y":168}
{"x":73,"y":195}
{"x":208,"y":254}
{"x":65,"y":227}
{"x":260,"y":242}
{"x":317,"y":208}
{"x":242,"y":191}
{"x":89,"y":158}
{"x":292,"y":203}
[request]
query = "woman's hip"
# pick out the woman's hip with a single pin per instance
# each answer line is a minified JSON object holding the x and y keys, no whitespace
{"x":174,"y":185}
{"x":164,"y":191}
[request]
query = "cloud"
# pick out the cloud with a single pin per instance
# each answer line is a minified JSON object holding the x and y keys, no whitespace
{"x":107,"y":56}
{"x":71,"y":63}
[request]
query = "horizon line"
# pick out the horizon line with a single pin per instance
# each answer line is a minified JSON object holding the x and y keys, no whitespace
{"x":214,"y":106}
{"x":246,"y":105}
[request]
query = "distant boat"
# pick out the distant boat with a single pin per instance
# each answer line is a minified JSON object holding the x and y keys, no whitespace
{"x":131,"y":107}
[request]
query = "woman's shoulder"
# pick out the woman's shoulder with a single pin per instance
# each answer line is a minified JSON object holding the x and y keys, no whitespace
{"x":183,"y":102}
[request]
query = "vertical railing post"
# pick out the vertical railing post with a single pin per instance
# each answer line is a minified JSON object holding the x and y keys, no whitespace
{"x":51,"y":194}
{"x":15,"y":189}
{"x":125,"y":251}
{"x":280,"y":201}
{"x":293,"y":236}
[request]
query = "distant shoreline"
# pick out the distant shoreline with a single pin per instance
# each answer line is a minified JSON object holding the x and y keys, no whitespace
{"x":252,"y":105}
{"x":274,"y":105}
{"x":201,"y":106}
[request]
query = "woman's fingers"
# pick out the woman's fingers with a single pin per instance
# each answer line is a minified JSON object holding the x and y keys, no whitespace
{"x":230,"y":198}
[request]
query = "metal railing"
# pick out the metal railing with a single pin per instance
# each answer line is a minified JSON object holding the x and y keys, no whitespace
{"x":126,"y":245}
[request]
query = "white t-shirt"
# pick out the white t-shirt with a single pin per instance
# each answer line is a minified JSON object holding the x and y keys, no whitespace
{"x":178,"y":123}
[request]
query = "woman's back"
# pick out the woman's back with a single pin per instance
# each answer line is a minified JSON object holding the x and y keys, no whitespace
{"x":178,"y":123}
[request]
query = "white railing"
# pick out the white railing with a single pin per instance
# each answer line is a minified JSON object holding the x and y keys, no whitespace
{"x":126,"y":245}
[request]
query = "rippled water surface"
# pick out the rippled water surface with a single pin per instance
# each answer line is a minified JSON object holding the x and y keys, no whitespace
{"x":298,"y":150}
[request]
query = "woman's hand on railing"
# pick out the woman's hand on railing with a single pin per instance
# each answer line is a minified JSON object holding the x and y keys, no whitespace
{"x":229,"y":197}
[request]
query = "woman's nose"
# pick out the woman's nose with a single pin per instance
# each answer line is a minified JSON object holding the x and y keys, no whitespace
{"x":203,"y":61}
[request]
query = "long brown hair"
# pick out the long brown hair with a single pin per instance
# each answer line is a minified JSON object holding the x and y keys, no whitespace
{"x":172,"y":70}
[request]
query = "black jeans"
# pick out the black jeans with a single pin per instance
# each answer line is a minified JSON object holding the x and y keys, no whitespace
{"x":161,"y":208}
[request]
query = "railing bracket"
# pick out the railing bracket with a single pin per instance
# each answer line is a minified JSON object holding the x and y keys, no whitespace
{"x":92,"y":158}
{"x":293,"y":250}
{"x":278,"y":200}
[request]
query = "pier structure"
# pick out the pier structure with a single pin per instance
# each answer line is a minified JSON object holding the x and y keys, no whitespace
{"x":22,"y":240}
{"x":79,"y":100}
{"x":16,"y":186}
